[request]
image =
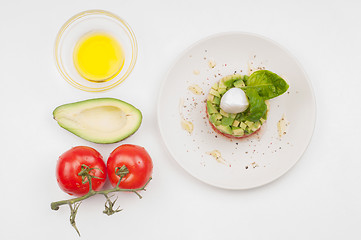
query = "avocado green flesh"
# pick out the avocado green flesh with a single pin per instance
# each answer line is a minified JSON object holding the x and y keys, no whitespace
{"x":102,"y":120}
{"x":211,"y":108}
{"x":233,"y":124}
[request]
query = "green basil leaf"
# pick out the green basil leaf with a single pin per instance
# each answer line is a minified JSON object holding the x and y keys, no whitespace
{"x":257,"y":105}
{"x":268,"y":84}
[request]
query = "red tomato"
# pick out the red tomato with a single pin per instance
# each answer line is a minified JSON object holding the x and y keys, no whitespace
{"x":138,"y":162}
{"x":70,"y":164}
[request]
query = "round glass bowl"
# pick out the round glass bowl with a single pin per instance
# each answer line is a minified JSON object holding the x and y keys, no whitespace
{"x":85,"y":23}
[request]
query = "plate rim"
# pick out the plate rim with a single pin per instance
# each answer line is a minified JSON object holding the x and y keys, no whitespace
{"x":221,"y":34}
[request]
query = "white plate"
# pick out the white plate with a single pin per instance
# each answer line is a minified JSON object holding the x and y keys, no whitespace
{"x":249,"y":162}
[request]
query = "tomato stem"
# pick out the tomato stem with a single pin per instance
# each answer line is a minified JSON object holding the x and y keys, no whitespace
{"x":109,"y":204}
{"x":73,"y":212}
{"x":121,"y":172}
{"x":56,"y":205}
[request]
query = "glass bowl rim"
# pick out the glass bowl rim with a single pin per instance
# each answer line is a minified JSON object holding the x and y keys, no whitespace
{"x":76,"y":18}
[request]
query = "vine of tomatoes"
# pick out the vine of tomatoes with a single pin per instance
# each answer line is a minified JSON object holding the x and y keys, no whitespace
{"x":82,"y":172}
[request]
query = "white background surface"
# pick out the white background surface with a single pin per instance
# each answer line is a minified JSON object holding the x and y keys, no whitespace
{"x":318,"y":199}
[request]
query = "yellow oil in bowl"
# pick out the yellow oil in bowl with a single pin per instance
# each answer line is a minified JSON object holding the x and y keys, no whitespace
{"x":98,"y":57}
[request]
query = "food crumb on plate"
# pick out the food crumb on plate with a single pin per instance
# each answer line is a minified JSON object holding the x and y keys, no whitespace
{"x":187,"y":125}
{"x":282,"y":126}
{"x":211,"y":63}
{"x":195,"y":89}
{"x":196,"y":72}
{"x":254,"y":165}
{"x":217,"y":155}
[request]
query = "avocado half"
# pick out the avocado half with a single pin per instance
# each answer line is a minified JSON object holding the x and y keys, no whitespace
{"x":100,"y":120}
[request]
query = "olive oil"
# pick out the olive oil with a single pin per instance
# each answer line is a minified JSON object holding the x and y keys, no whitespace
{"x":98,"y":57}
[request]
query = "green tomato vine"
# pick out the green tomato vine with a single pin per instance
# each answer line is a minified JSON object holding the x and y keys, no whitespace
{"x":110,"y":209}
